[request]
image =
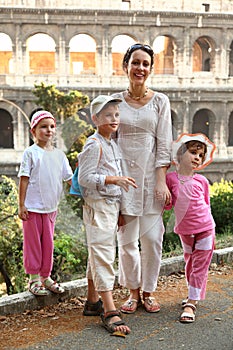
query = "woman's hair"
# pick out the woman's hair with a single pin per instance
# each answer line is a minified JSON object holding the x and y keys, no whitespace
{"x":192,"y":145}
{"x":135,"y":47}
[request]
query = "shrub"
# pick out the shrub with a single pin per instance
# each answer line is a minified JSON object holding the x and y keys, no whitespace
{"x":221,"y":199}
{"x":11,"y":237}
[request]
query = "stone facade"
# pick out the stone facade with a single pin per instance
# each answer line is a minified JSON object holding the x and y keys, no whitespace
{"x":197,"y":74}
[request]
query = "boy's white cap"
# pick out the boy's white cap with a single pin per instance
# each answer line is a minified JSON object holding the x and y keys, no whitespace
{"x":38,"y":116}
{"x":183,"y":138}
{"x":100,"y":101}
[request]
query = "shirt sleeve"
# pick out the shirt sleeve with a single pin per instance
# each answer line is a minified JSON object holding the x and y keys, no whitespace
{"x":164,"y":132}
{"x":67,"y":171}
{"x":26,"y":164}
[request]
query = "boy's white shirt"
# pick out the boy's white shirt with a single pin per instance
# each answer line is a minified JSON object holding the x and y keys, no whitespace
{"x":46,"y":171}
{"x":93,"y":169}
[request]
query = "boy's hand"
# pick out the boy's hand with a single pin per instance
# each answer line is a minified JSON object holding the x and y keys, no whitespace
{"x":125,"y":182}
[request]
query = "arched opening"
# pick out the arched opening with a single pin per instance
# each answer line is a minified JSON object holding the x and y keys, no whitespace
{"x":231,"y":60}
{"x":203,"y":122}
{"x":203,"y":50}
{"x":41,"y":51}
{"x":230,"y":130}
{"x":164,"y":55}
{"x":82,"y":54}
{"x":174,"y":125}
{"x":5,"y":54}
{"x":6,"y":131}
{"x":120,"y":44}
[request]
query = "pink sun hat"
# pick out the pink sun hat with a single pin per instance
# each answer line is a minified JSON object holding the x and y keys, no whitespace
{"x":183,"y":138}
{"x":38,"y":116}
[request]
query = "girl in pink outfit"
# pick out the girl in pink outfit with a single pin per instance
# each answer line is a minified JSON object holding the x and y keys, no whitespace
{"x":193,"y":220}
{"x":42,"y":172}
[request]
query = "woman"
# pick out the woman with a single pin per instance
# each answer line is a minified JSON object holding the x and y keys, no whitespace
{"x":144,"y":137}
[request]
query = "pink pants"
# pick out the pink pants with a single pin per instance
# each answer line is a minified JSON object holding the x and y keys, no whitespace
{"x":38,"y":232}
{"x":198,"y":252}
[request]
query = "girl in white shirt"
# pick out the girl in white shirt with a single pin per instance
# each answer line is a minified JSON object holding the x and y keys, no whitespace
{"x":42,"y":172}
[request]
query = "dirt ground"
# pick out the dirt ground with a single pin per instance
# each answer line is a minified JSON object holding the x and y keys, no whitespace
{"x":25,"y":329}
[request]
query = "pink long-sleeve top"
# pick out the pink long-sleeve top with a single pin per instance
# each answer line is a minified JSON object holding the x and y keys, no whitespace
{"x":191,"y":202}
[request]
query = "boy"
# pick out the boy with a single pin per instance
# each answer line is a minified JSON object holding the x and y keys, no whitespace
{"x":101,"y":178}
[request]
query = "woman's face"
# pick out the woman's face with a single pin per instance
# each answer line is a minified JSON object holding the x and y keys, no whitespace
{"x":139,"y":67}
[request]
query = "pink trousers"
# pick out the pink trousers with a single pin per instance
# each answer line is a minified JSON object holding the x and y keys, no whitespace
{"x":198,"y":252}
{"x":38,"y":232}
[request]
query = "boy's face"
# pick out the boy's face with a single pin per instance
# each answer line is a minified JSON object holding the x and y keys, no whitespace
{"x":108,"y":120}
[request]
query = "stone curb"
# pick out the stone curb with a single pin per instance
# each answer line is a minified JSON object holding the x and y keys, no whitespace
{"x":18,"y":303}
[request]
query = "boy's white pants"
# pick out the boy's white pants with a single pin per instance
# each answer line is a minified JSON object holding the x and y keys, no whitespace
{"x":140,"y":268}
{"x":100,"y":219}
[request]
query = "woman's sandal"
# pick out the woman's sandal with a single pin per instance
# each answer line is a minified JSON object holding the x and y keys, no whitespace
{"x":93,"y":309}
{"x":130,"y":306}
{"x":35,"y":287}
{"x":53,"y":286}
{"x":111,"y":327}
{"x":150,"y":305}
{"x":188,"y":317}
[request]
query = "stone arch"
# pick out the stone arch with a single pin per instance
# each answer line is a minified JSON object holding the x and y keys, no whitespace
{"x":230,"y":130}
{"x":120,"y":44}
{"x":164,"y":46}
{"x":203,"y":121}
{"x":203,"y":54}
{"x":41,"y":49}
{"x":6,"y":54}
{"x":6,"y":131}
{"x":83,"y":59}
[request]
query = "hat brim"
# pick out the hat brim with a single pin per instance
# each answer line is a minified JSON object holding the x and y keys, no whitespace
{"x":183,"y":138}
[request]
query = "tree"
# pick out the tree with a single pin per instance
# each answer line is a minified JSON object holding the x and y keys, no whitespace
{"x":61,"y":105}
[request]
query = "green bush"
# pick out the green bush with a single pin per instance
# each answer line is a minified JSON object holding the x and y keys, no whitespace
{"x":221,"y":199}
{"x":11,"y":237}
{"x":70,"y":257}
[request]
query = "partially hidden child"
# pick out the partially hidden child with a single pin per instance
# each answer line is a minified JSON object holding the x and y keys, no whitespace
{"x":42,"y":172}
{"x":102,"y":183}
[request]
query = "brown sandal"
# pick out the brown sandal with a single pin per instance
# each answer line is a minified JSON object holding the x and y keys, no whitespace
{"x":111,"y":327}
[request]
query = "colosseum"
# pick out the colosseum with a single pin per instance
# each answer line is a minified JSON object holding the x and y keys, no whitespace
{"x":79,"y":45}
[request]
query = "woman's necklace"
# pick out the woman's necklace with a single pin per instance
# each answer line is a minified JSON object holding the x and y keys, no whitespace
{"x":184,"y":178}
{"x":137,"y":98}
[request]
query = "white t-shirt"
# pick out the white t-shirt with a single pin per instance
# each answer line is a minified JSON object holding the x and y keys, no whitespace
{"x":46,"y":171}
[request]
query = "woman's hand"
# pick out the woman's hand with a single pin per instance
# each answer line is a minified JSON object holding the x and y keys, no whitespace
{"x":162,"y":194}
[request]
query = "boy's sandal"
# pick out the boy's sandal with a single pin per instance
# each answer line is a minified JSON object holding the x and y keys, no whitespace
{"x":187,"y":317}
{"x":35,"y":287}
{"x":111,"y":327}
{"x":150,"y":305}
{"x":130,"y":306}
{"x":53,"y":286}
{"x":93,"y":309}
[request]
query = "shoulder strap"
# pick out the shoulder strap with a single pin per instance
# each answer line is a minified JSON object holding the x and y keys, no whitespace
{"x":95,"y":138}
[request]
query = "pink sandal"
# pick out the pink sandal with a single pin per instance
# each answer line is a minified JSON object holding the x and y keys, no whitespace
{"x":53,"y":286}
{"x":130,"y":306}
{"x":150,"y":305}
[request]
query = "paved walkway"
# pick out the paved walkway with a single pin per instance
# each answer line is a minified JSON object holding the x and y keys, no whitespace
{"x":213,"y":329}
